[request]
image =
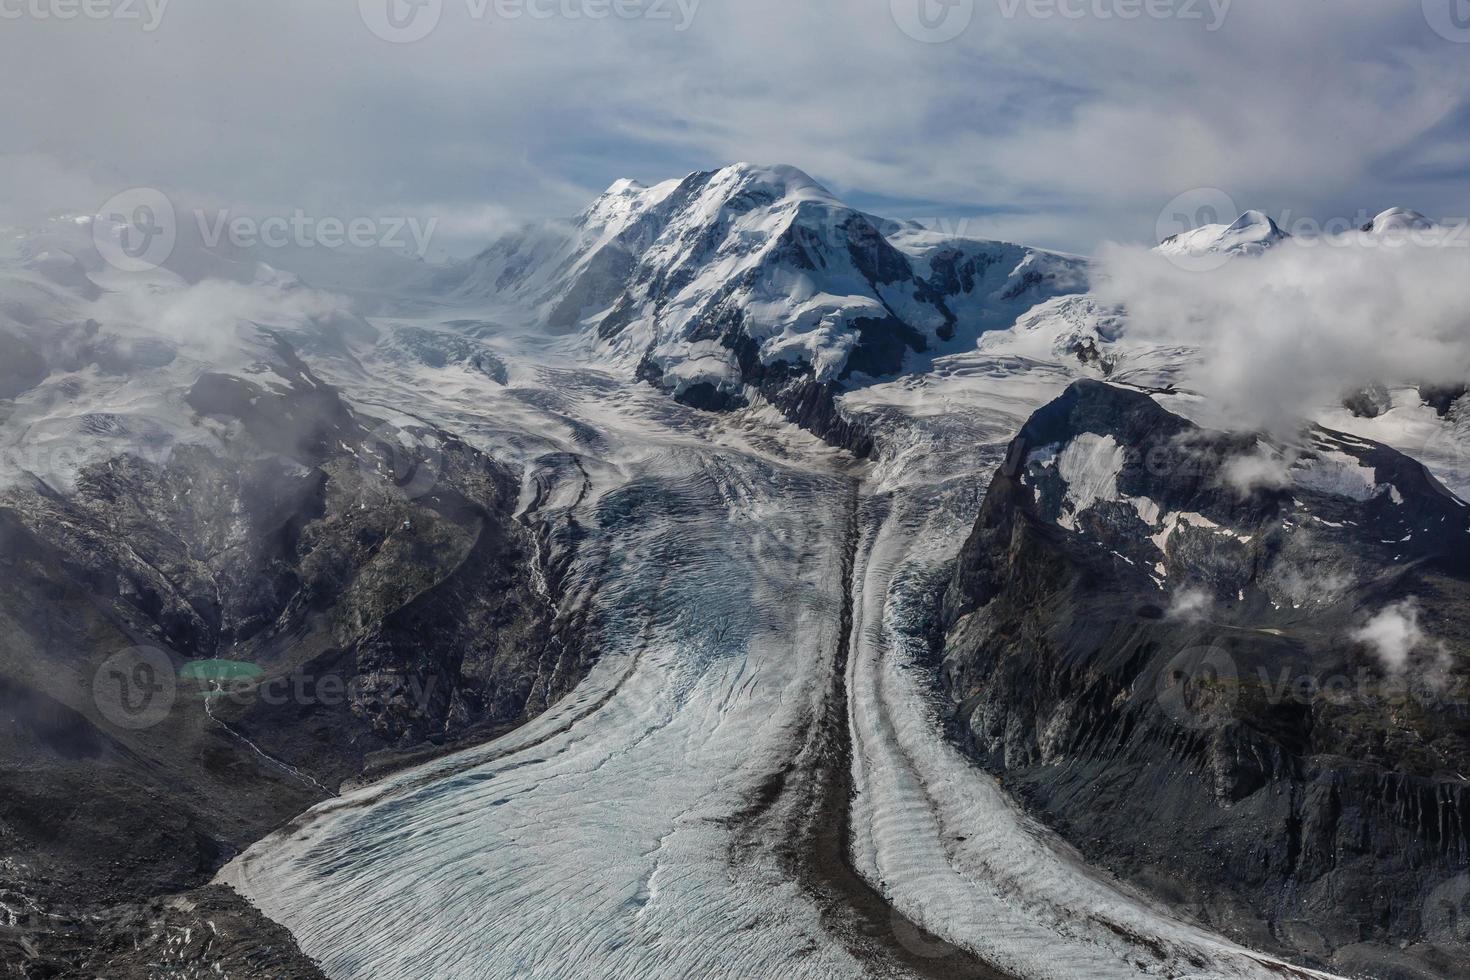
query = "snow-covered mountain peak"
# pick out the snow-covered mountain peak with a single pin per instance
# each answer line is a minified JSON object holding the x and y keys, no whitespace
{"x":1250,"y":234}
{"x":620,"y":205}
{"x":738,"y":188}
{"x":781,"y":181}
{"x":1398,"y":220}
{"x":1256,"y":225}
{"x":757,"y":277}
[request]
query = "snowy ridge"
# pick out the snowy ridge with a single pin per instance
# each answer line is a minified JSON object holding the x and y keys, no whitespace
{"x":1399,"y":220}
{"x":698,"y":279}
{"x":1251,"y":234}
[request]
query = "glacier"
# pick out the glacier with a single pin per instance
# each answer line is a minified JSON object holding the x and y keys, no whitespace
{"x":753,"y":780}
{"x":633,"y":830}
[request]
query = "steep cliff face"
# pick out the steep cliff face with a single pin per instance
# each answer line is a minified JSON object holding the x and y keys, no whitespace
{"x":1234,"y":672}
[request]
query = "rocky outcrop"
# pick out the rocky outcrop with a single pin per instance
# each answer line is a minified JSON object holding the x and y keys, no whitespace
{"x":1234,"y":672}
{"x":208,"y":932}
{"x":1442,"y":397}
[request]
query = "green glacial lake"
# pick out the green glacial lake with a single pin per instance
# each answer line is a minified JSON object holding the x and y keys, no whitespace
{"x":220,"y":672}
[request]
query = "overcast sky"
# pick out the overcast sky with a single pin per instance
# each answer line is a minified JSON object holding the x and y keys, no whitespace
{"x":1052,"y":122}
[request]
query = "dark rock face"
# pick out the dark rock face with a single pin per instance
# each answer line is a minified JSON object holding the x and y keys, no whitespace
{"x":1171,"y":645}
{"x":21,"y":366}
{"x":1369,"y":403}
{"x":208,"y":932}
{"x":1442,"y":398}
{"x":377,"y":584}
{"x":789,"y":386}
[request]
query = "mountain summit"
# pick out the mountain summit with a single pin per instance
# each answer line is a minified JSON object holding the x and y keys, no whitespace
{"x":1252,"y":233}
{"x":759,"y":279}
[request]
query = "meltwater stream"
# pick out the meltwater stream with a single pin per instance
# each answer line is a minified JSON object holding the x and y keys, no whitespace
{"x":736,"y":565}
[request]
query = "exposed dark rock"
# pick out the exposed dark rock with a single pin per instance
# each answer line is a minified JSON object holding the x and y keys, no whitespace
{"x":376,"y":593}
{"x":21,"y":366}
{"x":1369,"y":402}
{"x":882,"y":346}
{"x":208,"y":932}
{"x":1193,"y":710}
{"x":1442,"y":398}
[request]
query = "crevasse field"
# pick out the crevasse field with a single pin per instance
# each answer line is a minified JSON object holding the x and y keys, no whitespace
{"x":761,"y":596}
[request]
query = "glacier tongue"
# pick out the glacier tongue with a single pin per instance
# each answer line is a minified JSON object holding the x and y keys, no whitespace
{"x":594,"y":841}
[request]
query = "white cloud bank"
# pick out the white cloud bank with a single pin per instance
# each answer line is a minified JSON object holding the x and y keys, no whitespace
{"x":1395,"y":635}
{"x":1295,"y":329}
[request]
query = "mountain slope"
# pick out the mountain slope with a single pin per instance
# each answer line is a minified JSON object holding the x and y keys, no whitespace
{"x":229,"y":589}
{"x":1232,"y":673}
{"x":1250,"y":234}
{"x":754,"y":279}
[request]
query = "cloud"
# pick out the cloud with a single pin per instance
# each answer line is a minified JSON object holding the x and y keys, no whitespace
{"x":1284,"y":334}
{"x":205,"y":317}
{"x":1189,"y":605}
{"x":1394,"y":635}
{"x":1071,"y":130}
{"x":1263,"y":469}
